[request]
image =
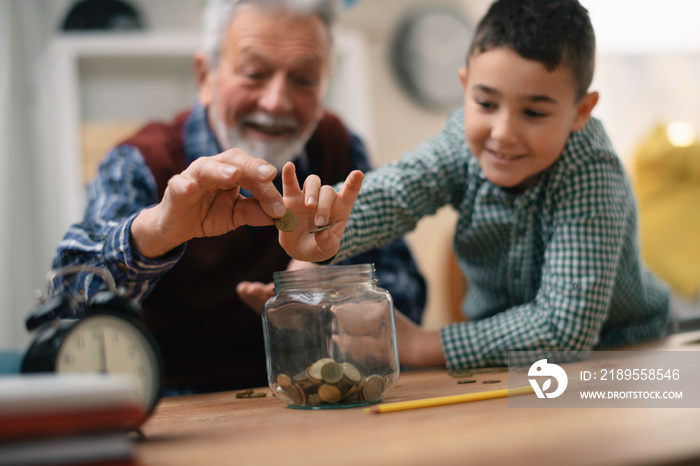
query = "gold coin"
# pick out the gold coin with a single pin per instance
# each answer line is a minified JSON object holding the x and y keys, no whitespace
{"x":250,"y":394}
{"x":288,"y":222}
{"x":244,"y":393}
{"x":350,"y":373}
{"x":331,"y":372}
{"x":373,"y":388}
{"x":283,"y":380}
{"x":313,"y":372}
{"x":323,"y":228}
{"x":329,"y":393}
{"x":295,"y":395}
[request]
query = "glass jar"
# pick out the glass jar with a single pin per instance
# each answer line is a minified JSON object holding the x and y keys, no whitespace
{"x":330,"y":338}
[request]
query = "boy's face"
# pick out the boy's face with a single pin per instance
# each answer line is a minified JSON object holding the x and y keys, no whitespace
{"x":518,"y":116}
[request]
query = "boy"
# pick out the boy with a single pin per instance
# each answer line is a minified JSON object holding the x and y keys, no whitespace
{"x":547,"y":227}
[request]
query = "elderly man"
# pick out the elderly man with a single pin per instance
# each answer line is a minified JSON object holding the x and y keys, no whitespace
{"x":182,"y":220}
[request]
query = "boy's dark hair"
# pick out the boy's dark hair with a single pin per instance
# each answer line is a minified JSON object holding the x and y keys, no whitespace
{"x":552,"y":32}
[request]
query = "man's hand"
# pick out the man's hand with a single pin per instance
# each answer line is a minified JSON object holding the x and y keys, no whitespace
{"x":256,"y":294}
{"x":317,"y":206}
{"x":204,"y":200}
{"x":417,"y":346}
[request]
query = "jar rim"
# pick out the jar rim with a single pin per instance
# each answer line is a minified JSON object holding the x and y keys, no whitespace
{"x":325,"y":273}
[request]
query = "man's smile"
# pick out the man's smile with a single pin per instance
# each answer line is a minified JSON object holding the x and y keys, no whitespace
{"x":270,"y":130}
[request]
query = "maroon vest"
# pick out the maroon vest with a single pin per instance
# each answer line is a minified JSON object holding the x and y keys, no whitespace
{"x":210,"y":339}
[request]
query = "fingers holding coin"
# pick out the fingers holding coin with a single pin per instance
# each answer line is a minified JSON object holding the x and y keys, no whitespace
{"x":287,"y":222}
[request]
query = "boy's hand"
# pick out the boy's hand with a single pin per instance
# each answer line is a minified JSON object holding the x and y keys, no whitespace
{"x":317,"y":206}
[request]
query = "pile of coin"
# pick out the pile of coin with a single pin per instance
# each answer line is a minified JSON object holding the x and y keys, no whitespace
{"x":329,"y":382}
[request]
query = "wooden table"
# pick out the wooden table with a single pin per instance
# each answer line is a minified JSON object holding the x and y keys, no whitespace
{"x":219,"y":429}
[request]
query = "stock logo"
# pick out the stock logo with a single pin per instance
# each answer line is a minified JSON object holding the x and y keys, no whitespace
{"x":541,"y":369}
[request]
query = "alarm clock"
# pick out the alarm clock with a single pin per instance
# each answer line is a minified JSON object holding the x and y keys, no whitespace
{"x":104,"y":334}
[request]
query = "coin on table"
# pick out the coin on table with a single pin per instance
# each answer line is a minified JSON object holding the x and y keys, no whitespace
{"x":460,"y":373}
{"x":288,"y":221}
{"x":373,"y":388}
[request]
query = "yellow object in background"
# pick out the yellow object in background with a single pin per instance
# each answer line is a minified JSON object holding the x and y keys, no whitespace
{"x":666,"y":180}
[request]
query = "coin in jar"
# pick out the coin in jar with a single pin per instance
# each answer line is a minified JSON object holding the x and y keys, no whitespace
{"x":313,"y":372}
{"x":295,"y":394}
{"x":288,"y":221}
{"x":329,"y":393}
{"x":283,"y":380}
{"x":331,"y":372}
{"x":373,"y":388}
{"x":350,"y":373}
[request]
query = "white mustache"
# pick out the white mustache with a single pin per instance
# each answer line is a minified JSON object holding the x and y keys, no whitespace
{"x":269,"y":120}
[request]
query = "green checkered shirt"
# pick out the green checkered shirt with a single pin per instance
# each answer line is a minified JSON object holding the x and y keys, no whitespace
{"x":555,"y":268}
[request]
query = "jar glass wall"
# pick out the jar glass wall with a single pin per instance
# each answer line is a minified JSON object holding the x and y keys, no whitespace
{"x":330,"y":338}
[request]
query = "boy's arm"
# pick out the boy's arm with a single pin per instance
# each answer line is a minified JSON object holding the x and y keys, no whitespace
{"x":592,"y":246}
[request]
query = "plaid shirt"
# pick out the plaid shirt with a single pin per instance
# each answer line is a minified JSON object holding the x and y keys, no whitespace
{"x":124,"y":186}
{"x":554,"y":268}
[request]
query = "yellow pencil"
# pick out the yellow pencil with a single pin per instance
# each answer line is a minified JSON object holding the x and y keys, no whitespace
{"x":448,"y":400}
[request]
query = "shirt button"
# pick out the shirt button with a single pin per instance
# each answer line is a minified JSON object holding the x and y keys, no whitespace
{"x":575,"y":286}
{"x":122,"y":266}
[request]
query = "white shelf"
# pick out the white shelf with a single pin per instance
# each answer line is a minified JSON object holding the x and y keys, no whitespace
{"x":101,"y":76}
{"x":133,"y":44}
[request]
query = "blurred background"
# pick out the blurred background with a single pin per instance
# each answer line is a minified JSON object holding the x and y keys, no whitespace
{"x":66,"y":97}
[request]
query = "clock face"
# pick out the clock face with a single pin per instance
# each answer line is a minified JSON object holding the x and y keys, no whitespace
{"x":109,"y":344}
{"x":428,"y":49}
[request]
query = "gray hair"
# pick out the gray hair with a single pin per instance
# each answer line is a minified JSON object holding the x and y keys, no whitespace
{"x":218,"y":15}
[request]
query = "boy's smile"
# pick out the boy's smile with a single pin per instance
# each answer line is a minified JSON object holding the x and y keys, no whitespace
{"x":518,"y":116}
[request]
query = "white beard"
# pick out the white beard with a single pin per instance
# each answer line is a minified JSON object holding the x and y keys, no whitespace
{"x":276,"y":153}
